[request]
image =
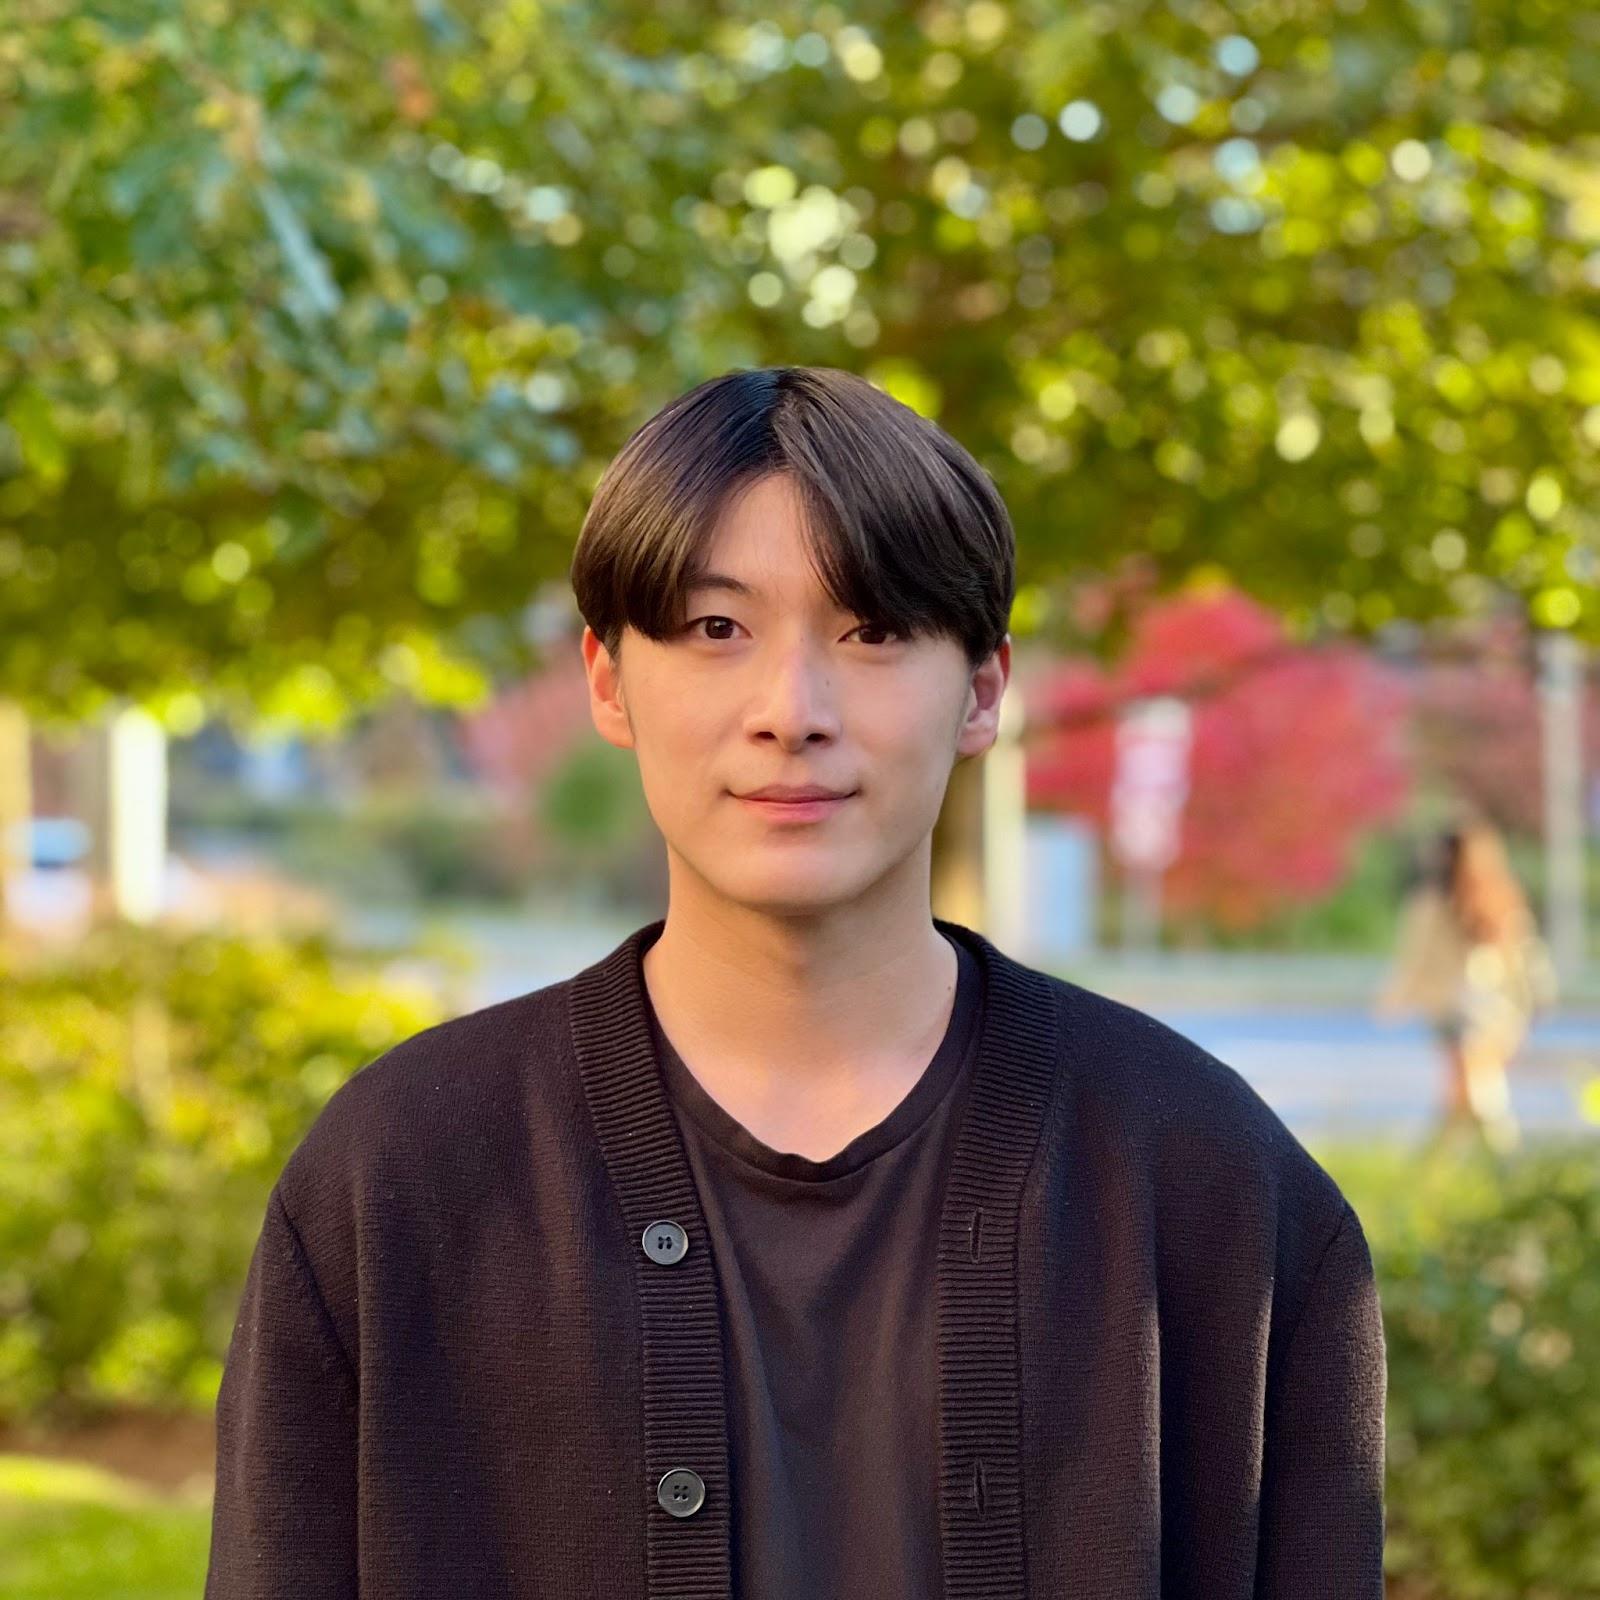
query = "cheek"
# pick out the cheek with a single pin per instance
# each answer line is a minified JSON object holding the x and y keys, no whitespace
{"x":675,"y":727}
{"x":683,"y":764}
{"x":906,"y":771}
{"x":914,"y":731}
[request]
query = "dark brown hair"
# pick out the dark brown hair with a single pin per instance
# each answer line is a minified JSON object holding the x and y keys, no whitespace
{"x":903,"y":528}
{"x":1474,"y":869}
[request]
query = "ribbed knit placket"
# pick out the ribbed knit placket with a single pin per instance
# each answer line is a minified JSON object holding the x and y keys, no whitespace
{"x":688,"y":1557}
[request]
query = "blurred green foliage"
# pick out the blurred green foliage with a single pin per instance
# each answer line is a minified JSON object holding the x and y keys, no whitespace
{"x":1489,"y":1271}
{"x":594,"y":801}
{"x":422,"y":846}
{"x":583,"y":834}
{"x":318,"y":322}
{"x":152,"y":1085}
{"x":72,"y":1532}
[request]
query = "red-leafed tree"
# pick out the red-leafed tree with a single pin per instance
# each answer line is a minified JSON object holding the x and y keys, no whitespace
{"x":1297,"y":750}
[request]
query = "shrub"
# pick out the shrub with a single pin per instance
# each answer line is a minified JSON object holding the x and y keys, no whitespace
{"x":1489,"y":1272}
{"x":152,"y":1084}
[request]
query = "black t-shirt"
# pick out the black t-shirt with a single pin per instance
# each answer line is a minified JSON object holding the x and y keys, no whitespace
{"x":827,"y":1271}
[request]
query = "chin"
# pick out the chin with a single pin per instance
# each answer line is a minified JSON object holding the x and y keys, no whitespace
{"x":796,"y":890}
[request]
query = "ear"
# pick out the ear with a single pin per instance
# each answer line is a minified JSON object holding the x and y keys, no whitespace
{"x":606,"y":704}
{"x":988,"y":683}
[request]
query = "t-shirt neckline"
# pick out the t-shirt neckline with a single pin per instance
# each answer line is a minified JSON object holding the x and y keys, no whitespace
{"x":913,"y":1109}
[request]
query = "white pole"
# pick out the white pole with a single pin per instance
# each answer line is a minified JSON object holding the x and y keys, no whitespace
{"x":137,"y":807}
{"x":1561,"y":708}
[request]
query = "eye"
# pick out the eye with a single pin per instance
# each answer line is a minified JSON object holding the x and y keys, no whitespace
{"x":690,"y":627}
{"x":879,"y":627}
{"x":868,"y":627}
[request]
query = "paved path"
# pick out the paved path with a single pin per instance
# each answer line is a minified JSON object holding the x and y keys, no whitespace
{"x":1331,"y":1072}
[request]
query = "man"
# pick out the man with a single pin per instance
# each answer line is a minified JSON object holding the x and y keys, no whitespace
{"x":805,"y":1245}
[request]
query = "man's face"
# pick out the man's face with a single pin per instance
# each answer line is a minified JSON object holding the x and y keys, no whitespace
{"x":778,"y":686}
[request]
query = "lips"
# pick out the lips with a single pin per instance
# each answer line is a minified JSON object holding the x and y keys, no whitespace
{"x":822,"y":803}
{"x":795,"y":793}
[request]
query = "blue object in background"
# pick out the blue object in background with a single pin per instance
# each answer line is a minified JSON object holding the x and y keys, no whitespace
{"x":51,"y":841}
{"x":1060,"y":885}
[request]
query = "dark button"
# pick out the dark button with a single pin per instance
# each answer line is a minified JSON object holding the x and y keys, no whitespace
{"x":665,"y":1242}
{"x":681,"y":1492}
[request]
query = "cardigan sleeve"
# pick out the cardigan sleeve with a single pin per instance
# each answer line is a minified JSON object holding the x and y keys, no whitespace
{"x":284,"y":1514}
{"x":1322,"y":1479}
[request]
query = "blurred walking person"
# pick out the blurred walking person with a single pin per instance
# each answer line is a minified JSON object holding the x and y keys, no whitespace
{"x":1469,"y":957}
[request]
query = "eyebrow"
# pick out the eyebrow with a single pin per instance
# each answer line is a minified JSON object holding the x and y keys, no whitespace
{"x":719,"y":580}
{"x":725,"y":580}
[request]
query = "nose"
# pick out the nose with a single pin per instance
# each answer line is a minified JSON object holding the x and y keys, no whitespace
{"x":794,"y":702}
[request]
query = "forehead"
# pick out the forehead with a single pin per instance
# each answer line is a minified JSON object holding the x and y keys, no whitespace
{"x":757,"y":546}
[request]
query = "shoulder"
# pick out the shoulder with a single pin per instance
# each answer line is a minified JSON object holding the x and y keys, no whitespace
{"x":1202,"y":1139}
{"x":452,"y":1099}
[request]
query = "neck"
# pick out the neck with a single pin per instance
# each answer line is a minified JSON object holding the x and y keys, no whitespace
{"x":849,"y":1003}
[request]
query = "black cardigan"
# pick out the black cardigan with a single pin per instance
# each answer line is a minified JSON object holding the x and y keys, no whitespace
{"x":465,"y":1360}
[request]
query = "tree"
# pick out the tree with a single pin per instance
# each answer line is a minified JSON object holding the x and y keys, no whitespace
{"x":320,"y":320}
{"x":1296,"y":752}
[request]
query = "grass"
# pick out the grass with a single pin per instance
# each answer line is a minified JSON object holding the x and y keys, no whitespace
{"x":69,"y":1531}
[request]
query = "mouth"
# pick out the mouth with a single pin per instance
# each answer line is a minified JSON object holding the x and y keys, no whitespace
{"x":812,"y":808}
